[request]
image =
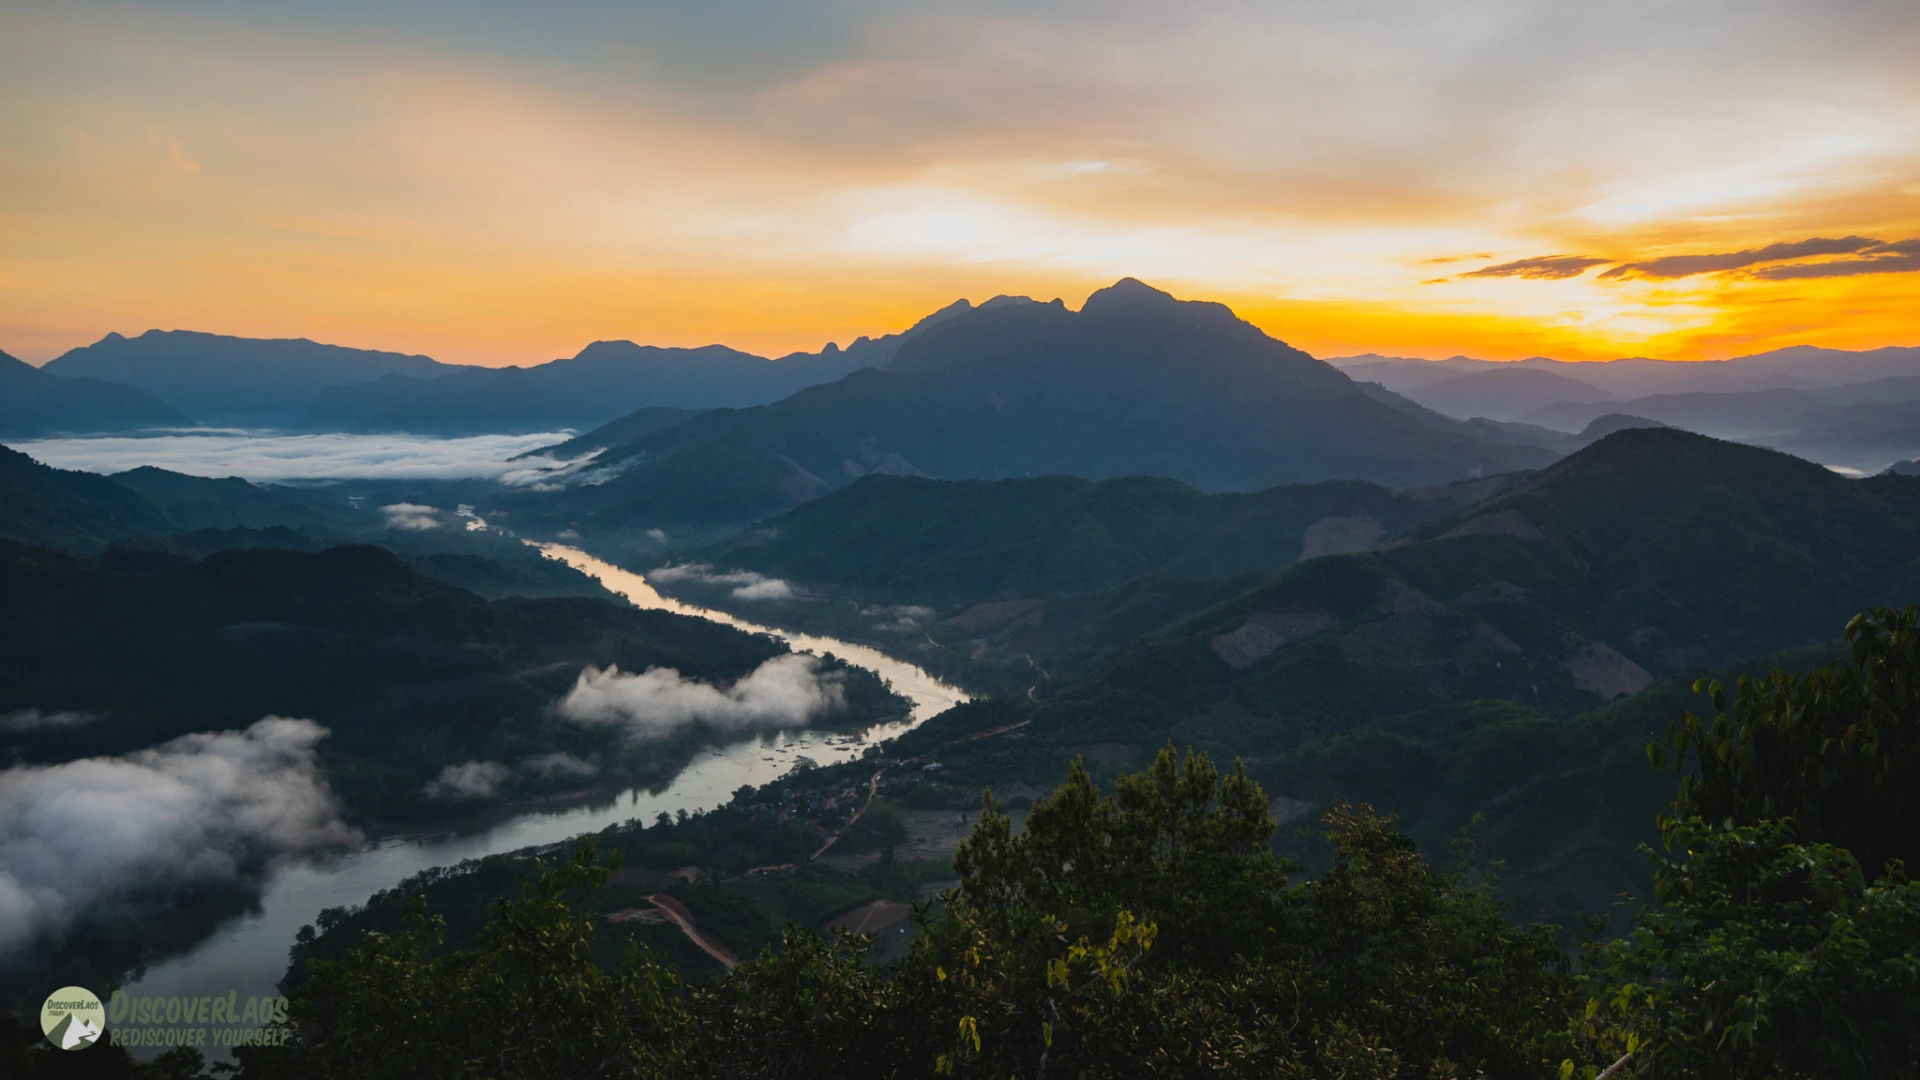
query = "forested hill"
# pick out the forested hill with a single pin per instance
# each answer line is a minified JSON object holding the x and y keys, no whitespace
{"x":1650,"y":553}
{"x":83,"y":511}
{"x":912,"y":539}
{"x":1136,"y":382}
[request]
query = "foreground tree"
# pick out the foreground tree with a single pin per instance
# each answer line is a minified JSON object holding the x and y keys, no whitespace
{"x":1786,"y":940}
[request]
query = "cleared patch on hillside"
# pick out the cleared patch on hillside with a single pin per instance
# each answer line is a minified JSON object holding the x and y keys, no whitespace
{"x":1505,"y":523}
{"x":986,"y":618}
{"x":1339,"y":535}
{"x":1286,"y":809}
{"x":1605,"y":671}
{"x":1265,"y":631}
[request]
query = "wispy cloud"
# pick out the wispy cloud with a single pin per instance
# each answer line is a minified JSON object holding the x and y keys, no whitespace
{"x":469,"y":780}
{"x":785,"y":692}
{"x":35,"y":720}
{"x":748,"y":585}
{"x":1544,"y":267}
{"x":87,"y":839}
{"x":1679,"y":266}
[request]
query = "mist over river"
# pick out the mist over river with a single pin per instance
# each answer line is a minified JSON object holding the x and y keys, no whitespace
{"x":247,"y":955}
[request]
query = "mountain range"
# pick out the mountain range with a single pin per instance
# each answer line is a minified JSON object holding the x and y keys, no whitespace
{"x":218,"y":379}
{"x":1134,"y":383}
{"x":1801,"y":366}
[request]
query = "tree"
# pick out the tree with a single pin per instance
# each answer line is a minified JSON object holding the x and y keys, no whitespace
{"x":1786,"y":942}
{"x":1836,"y":749}
{"x":527,"y":1001}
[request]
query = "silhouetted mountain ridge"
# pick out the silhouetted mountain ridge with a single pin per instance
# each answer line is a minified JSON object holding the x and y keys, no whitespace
{"x":1136,"y":383}
{"x":219,"y":378}
{"x":36,"y":402}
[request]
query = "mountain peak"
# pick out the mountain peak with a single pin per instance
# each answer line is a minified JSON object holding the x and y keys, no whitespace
{"x":1127,"y":294}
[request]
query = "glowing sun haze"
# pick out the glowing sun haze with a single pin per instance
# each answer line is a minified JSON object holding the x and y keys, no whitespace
{"x":491,"y":182}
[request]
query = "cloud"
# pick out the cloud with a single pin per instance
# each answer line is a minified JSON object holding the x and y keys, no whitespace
{"x":555,"y":765}
{"x":1679,"y":266}
{"x":1541,"y":267}
{"x":468,"y":780}
{"x":769,"y":589}
{"x":898,"y":618}
{"x":267,"y":457}
{"x":748,"y":585}
{"x":411,"y":517}
{"x":1902,"y":259}
{"x":35,"y":720}
{"x":82,"y":839}
{"x":785,"y":692}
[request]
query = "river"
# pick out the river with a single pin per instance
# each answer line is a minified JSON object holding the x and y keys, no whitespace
{"x":248,"y":953}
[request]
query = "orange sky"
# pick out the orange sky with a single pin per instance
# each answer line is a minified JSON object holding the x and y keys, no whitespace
{"x":491,"y":187}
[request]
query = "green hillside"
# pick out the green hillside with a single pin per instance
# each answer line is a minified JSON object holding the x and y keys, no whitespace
{"x":78,"y":510}
{"x":944,"y":542}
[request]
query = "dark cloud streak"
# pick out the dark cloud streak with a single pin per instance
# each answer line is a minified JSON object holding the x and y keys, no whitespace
{"x":1903,"y":258}
{"x":1679,"y":266}
{"x":1540,"y":267}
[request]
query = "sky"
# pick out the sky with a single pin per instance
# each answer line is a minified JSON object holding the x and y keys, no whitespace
{"x":493,"y":182}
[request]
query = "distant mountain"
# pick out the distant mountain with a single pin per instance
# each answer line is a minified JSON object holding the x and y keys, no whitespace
{"x":1603,"y":426}
{"x":1505,"y":393}
{"x":1864,"y":436}
{"x":35,"y":402}
{"x":219,"y":379}
{"x":1832,"y":367}
{"x":1727,"y":415}
{"x":964,"y":541}
{"x":1135,"y":383}
{"x":608,"y":379}
{"x":1798,"y":367}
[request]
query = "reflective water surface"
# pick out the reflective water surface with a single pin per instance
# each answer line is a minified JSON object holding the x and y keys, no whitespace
{"x":248,"y":954}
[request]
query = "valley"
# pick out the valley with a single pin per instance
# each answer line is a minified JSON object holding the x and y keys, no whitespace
{"x":770,"y":656}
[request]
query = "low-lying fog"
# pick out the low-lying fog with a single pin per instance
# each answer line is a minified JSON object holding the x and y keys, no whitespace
{"x":268,"y":456}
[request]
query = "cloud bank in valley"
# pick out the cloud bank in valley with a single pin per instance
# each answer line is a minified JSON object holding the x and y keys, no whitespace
{"x":486,"y":779}
{"x":411,"y":517}
{"x":785,"y":692}
{"x":469,"y":780}
{"x":264,"y":457}
{"x":747,"y":584}
{"x":213,"y":808}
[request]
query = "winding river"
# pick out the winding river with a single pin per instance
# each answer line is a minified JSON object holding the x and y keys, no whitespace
{"x":248,"y":953}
